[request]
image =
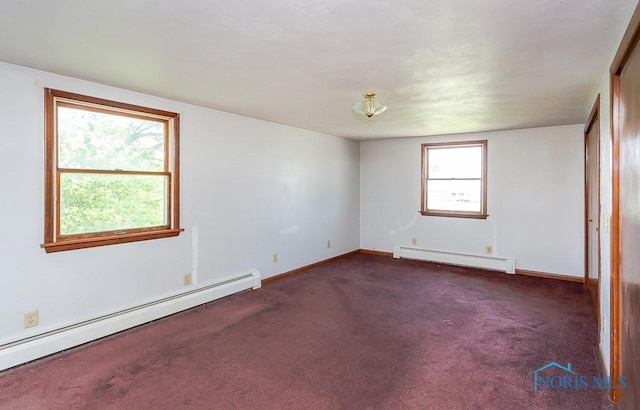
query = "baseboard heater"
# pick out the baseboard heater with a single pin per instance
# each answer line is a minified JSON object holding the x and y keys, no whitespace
{"x":492,"y":262}
{"x":34,"y":347}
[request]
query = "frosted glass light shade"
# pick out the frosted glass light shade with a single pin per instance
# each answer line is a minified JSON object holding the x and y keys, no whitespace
{"x":369,"y":108}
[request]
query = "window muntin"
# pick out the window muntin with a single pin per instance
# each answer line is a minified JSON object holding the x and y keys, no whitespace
{"x":111,"y":172}
{"x":454,"y":179}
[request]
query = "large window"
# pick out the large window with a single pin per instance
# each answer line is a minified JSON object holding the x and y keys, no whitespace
{"x":111,"y":172}
{"x":454,"y":179}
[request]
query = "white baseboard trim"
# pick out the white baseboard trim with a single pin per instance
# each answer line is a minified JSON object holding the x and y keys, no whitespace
{"x":492,"y":262}
{"x":25,"y":350}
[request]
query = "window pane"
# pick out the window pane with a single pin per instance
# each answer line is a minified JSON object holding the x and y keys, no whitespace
{"x":93,"y":140}
{"x":454,"y":195}
{"x":463,"y":162}
{"x":108,"y":202}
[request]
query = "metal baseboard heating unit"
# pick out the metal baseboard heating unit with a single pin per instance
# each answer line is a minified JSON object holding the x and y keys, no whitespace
{"x":21,"y":351}
{"x":492,"y":262}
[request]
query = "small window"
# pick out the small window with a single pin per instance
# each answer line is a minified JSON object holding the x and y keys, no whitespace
{"x":111,"y":172}
{"x":454,"y":179}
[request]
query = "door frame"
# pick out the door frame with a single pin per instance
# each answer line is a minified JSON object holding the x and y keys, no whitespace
{"x":594,"y":115}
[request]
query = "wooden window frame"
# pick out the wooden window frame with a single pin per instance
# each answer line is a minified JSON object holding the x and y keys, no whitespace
{"x":482,"y":214}
{"x":53,"y":241}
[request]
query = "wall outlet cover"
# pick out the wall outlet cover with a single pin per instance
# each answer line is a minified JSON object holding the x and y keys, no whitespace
{"x":31,"y":319}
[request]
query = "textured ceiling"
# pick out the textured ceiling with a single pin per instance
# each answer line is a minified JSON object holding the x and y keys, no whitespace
{"x":441,"y":66}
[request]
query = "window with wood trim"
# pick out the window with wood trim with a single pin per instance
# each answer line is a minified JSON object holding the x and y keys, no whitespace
{"x":111,"y":172}
{"x":454,"y":179}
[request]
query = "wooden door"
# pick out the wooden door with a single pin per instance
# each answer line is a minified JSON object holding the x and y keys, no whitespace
{"x":627,"y":271}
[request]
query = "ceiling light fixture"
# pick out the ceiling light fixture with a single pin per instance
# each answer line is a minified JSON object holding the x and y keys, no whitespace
{"x":369,"y":108}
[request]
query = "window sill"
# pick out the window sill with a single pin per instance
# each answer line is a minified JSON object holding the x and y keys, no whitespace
{"x":71,"y":244}
{"x":454,"y":214}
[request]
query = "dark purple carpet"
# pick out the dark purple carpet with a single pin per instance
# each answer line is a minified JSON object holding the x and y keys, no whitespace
{"x":365,"y":332}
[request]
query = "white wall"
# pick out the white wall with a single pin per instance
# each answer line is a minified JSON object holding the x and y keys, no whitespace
{"x":605,"y":219}
{"x":535,"y":199}
{"x":249,"y":188}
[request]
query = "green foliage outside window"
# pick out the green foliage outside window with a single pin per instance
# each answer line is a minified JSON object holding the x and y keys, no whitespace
{"x":97,"y":201}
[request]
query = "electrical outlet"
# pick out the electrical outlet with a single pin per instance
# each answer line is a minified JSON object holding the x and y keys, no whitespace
{"x":275,"y":258}
{"x":414,"y":241}
{"x":31,"y":319}
{"x":329,"y":244}
{"x":489,"y":249}
{"x":186,"y":279}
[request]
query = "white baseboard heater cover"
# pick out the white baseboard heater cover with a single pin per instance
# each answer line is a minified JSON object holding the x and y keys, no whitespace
{"x":25,"y":350}
{"x":492,"y":262}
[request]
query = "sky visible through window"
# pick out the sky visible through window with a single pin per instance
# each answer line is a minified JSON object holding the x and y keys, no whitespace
{"x":454,"y":178}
